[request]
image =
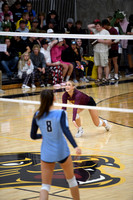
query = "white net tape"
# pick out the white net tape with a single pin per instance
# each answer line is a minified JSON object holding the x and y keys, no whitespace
{"x":72,"y":36}
{"x":70,"y":105}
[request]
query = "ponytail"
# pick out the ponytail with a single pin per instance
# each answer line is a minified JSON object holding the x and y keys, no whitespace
{"x":46,"y":99}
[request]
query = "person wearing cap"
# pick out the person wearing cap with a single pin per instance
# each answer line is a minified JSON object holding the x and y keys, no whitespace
{"x":72,"y":55}
{"x":79,"y":30}
{"x":22,"y":28}
{"x":56,"y":52}
{"x":34,"y":26}
{"x":50,"y":30}
{"x":52,"y":20}
{"x":55,"y":67}
{"x":68,"y":29}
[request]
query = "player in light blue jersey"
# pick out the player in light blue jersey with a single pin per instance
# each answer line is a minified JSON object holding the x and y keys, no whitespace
{"x":54,"y":125}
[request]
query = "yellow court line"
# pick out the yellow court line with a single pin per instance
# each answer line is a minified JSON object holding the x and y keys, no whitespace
{"x":107,"y":151}
{"x":19,"y":139}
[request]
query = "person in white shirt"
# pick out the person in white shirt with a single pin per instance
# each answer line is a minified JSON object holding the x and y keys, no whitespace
{"x":55,"y":67}
{"x":101,"y":48}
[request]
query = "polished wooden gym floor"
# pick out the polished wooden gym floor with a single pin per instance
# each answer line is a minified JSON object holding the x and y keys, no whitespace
{"x":105,"y":168}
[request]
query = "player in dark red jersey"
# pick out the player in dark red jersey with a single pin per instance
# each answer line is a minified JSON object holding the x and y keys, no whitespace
{"x":80,"y":98}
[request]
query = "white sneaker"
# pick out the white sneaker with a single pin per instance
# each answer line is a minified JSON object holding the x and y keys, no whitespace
{"x":33,"y":86}
{"x":81,"y":80}
{"x":109,"y":77}
{"x":116,"y":77}
{"x":107,"y":127}
{"x":86,"y":80}
{"x":25,"y":86}
{"x":79,"y":133}
{"x":75,"y":81}
{"x":48,"y":85}
{"x":42,"y":85}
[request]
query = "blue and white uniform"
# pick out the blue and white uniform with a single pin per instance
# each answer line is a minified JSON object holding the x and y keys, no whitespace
{"x":54,"y":146}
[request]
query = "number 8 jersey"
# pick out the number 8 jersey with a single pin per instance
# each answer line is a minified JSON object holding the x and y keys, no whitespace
{"x":53,"y":128}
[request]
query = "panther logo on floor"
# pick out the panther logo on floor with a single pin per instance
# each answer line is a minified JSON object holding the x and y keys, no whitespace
{"x":23,"y":169}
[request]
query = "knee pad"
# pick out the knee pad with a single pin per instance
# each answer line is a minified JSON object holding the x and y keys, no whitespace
{"x":45,"y":187}
{"x":100,"y":123}
{"x":77,"y":116}
{"x":72,"y":182}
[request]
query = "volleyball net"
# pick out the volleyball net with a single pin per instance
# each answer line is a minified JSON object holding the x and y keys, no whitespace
{"x":66,"y":36}
{"x":72,"y":37}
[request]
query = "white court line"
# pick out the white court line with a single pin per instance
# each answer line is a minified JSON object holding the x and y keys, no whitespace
{"x":70,"y":105}
{"x":72,"y":36}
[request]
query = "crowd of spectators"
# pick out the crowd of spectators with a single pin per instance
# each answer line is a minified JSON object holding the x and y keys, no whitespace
{"x":37,"y":58}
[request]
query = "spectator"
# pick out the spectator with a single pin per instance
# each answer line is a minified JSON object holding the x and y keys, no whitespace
{"x":52,"y":18}
{"x":39,"y":63}
{"x":19,"y":45}
{"x":113,"y":51}
{"x":34,"y":26}
{"x":84,"y":62}
{"x":8,"y":22}
{"x":24,"y":4}
{"x":109,"y":18}
{"x":115,"y":22}
{"x":50,"y":25}
{"x":124,"y":23}
{"x":30,"y":10}
{"x":22,"y":28}
{"x":30,"y":42}
{"x":25,"y":70}
{"x":17,"y":11}
{"x":42,"y":21}
{"x":69,"y":29}
{"x":5,"y":10}
{"x":100,"y":51}
{"x":1,"y":2}
{"x":78,"y":30}
{"x":55,"y":67}
{"x":40,"y":38}
{"x":9,"y":59}
{"x":25,"y":17}
{"x":50,"y":31}
{"x":72,"y":55}
{"x":6,"y":28}
{"x":130,"y":45}
{"x":56,"y":52}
